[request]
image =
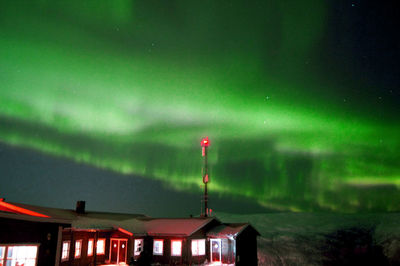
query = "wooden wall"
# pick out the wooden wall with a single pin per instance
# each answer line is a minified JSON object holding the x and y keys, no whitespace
{"x":28,"y":232}
{"x":246,"y":248}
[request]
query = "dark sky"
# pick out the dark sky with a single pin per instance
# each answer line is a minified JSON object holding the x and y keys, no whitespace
{"x":107,"y":102}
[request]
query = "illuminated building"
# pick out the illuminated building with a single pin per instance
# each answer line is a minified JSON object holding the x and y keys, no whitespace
{"x":33,"y":235}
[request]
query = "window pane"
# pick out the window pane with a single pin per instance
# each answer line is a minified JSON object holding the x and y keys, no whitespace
{"x":202,"y":246}
{"x":194,"y":248}
{"x":158,"y":247}
{"x":176,"y":247}
{"x":78,"y":248}
{"x":2,"y":250}
{"x":198,"y":247}
{"x":138,"y":246}
{"x":100,"y":246}
{"x":65,"y":250}
{"x":90,"y":247}
{"x":21,"y":255}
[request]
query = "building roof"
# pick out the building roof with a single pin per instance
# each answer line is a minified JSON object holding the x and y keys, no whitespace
{"x":12,"y":208}
{"x":68,"y":214}
{"x":132,"y":224}
{"x":16,"y":216}
{"x":175,"y":227}
{"x":231,"y":230}
{"x":136,"y":224}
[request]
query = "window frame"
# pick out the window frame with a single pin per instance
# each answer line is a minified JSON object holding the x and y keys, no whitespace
{"x":162,"y":247}
{"x":2,"y":255}
{"x":5,"y":259}
{"x":67,"y":252}
{"x":197,"y":246}
{"x":137,"y":253}
{"x":90,"y":251}
{"x":104,"y":246}
{"x":80,"y":249}
{"x":172,"y":247}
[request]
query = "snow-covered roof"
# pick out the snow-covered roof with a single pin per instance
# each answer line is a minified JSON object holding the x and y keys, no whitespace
{"x":137,"y":224}
{"x":72,"y":215}
{"x":229,"y":230}
{"x":175,"y":226}
{"x":16,"y":216}
{"x":146,"y":226}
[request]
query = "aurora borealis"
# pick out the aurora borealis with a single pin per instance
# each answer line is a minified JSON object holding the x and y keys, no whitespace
{"x":300,"y":100}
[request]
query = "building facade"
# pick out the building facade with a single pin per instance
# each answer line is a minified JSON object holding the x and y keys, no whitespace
{"x":33,"y":235}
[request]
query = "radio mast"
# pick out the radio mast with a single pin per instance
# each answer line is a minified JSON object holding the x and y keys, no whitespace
{"x":204,"y":144}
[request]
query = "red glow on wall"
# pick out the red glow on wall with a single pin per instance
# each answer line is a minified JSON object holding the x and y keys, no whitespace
{"x":4,"y":206}
{"x":124,"y":231}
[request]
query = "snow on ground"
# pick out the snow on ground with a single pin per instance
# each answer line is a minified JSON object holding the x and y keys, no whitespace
{"x":325,"y":238}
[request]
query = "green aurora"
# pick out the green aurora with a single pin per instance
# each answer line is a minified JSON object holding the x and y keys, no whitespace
{"x":134,"y":86}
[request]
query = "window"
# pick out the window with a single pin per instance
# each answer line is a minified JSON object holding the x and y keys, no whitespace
{"x":176,"y":247}
{"x":138,"y":247}
{"x":101,"y":244}
{"x":90,"y":248}
{"x":65,"y":251}
{"x":18,"y":255}
{"x":78,"y":248}
{"x":198,"y":247}
{"x":2,"y":251}
{"x":158,"y":246}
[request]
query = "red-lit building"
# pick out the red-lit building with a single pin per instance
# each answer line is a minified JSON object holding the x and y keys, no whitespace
{"x":33,"y":235}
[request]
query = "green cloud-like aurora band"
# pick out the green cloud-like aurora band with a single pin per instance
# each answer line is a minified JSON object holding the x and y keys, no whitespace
{"x":83,"y":96}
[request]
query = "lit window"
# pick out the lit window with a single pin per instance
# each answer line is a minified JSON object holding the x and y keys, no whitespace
{"x":138,"y":246}
{"x":158,"y":246}
{"x":101,"y":243}
{"x":198,"y":247}
{"x":176,"y":247}
{"x":65,"y":251}
{"x":78,"y":248}
{"x":19,"y":255}
{"x":2,"y":250}
{"x":90,"y":247}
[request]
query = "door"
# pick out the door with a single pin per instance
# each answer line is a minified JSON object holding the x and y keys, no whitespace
{"x":122,"y":251}
{"x":114,"y":251}
{"x":215,"y":246}
{"x":118,"y":250}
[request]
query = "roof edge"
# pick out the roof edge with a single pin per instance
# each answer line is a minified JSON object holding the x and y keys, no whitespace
{"x":29,"y":218}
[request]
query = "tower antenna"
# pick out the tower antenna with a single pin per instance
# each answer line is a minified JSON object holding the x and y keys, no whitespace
{"x":204,"y":144}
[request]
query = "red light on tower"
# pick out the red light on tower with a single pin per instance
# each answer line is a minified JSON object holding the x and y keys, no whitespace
{"x":205,"y":142}
{"x":205,"y":179}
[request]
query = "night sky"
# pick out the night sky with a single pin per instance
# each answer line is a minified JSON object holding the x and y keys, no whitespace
{"x":107,"y":102}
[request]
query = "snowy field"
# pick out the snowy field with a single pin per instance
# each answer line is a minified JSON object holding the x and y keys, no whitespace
{"x":325,"y":239}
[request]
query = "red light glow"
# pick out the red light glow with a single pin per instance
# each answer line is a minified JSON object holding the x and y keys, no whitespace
{"x":4,"y":206}
{"x":205,"y":142}
{"x":124,"y":231}
{"x":205,"y":179}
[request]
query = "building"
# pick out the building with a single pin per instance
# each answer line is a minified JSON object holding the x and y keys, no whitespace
{"x":33,"y":235}
{"x":29,"y":238}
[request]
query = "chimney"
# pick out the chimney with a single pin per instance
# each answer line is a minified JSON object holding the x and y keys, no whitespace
{"x":80,"y":206}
